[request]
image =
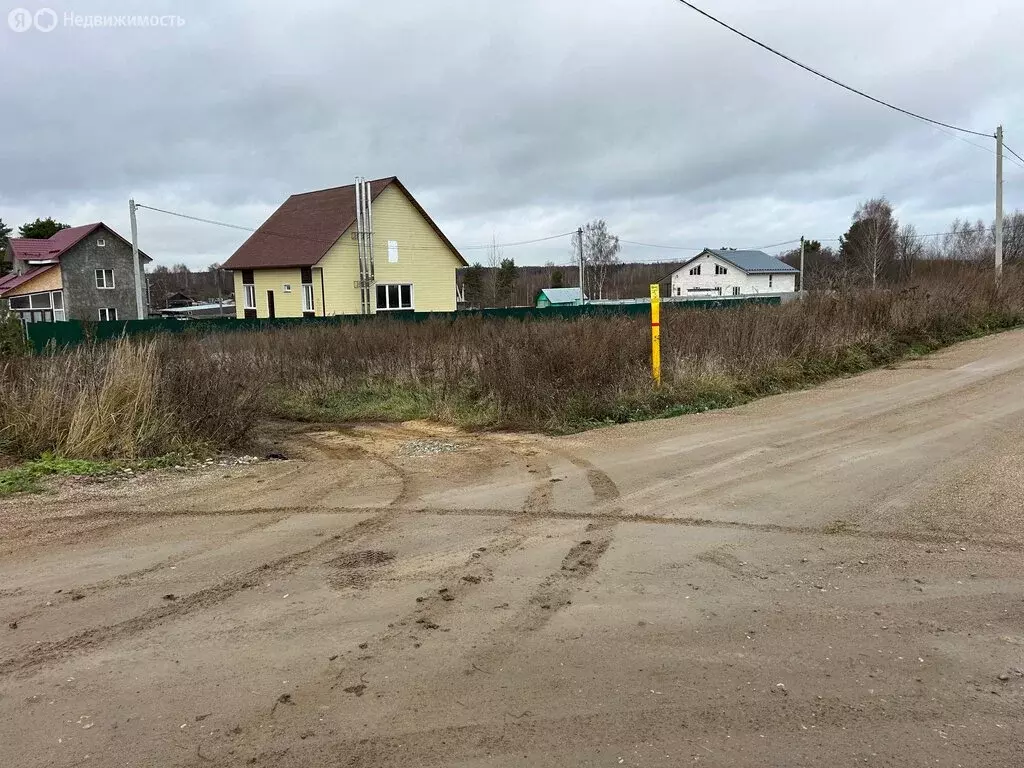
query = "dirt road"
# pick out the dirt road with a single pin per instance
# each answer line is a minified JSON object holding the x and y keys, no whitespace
{"x":827,"y":578}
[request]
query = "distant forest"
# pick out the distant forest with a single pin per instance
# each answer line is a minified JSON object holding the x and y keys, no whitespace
{"x":875,"y":252}
{"x":624,"y":281}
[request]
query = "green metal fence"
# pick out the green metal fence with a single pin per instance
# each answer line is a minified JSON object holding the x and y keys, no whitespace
{"x":73,"y":332}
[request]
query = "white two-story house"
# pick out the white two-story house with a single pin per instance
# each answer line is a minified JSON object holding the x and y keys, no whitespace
{"x":712,"y":273}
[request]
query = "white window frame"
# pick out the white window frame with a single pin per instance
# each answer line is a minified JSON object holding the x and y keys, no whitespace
{"x":101,"y":279}
{"x":308,"y":302}
{"x":33,"y":306}
{"x":735,"y":290}
{"x":770,"y":280}
{"x":389,"y":308}
{"x":720,"y":270}
{"x":695,"y":270}
{"x":58,"y":314}
{"x":108,"y":311}
{"x":249,"y":297}
{"x":101,"y":243}
{"x":392,"y":251}
{"x":286,"y":288}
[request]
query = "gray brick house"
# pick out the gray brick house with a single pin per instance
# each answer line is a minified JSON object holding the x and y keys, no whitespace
{"x":81,"y":273}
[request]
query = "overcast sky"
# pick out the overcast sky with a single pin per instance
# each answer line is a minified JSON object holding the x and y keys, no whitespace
{"x":514,"y":120}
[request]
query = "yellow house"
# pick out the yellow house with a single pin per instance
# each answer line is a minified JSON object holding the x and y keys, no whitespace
{"x":359,"y":249}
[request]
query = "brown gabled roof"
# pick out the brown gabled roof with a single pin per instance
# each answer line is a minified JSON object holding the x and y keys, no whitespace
{"x":304,"y":228}
{"x":53,"y":247}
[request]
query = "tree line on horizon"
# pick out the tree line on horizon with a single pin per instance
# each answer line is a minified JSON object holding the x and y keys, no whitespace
{"x":876,"y":251}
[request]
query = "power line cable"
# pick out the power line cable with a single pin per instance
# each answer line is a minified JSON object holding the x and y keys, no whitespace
{"x":1015,"y":162}
{"x":1012,"y":152}
{"x":832,"y":80}
{"x":663,"y":247}
{"x":690,"y":248}
{"x":958,"y":137}
{"x":229,"y":226}
{"x":309,"y":239}
{"x":520,"y":243}
{"x":195,"y":218}
{"x":773,"y":245}
{"x":915,"y":237}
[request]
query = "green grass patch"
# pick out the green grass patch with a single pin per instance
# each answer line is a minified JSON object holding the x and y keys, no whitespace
{"x":30,"y":476}
{"x":387,"y":401}
{"x":19,"y":480}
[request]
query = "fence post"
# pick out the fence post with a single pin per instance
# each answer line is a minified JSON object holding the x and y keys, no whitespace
{"x":656,"y":333}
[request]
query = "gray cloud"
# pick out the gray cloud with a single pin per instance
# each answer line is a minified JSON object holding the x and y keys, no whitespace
{"x":519,"y":120}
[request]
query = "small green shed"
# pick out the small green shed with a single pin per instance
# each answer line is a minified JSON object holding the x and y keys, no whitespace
{"x":558,"y":297}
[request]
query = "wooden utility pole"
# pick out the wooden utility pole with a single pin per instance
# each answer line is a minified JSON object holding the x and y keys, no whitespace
{"x":579,"y":237}
{"x":136,"y":264}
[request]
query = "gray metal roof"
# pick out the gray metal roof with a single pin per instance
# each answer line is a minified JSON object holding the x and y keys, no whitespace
{"x":561,"y":295}
{"x":754,"y":262}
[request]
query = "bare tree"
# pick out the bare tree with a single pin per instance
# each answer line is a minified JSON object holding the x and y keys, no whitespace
{"x":1013,"y":238}
{"x":909,"y":250}
{"x":968,"y":242}
{"x":822,"y":268}
{"x":869,"y":247}
{"x":495,"y":255}
{"x":184,"y":276}
{"x":600,"y":254}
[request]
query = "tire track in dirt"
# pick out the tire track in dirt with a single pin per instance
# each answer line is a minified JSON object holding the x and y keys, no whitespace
{"x":343,"y":453}
{"x":452,"y":585}
{"x":127,"y":579}
{"x":405,"y":489}
{"x":614,"y":515}
{"x":601,"y":484}
{"x":538,"y":501}
{"x":554,"y":593}
{"x":422,"y":626}
{"x":56,"y":650}
{"x":603,"y":487}
{"x":31,"y":538}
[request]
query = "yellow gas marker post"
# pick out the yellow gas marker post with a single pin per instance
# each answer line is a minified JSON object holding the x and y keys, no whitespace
{"x":656,"y":333}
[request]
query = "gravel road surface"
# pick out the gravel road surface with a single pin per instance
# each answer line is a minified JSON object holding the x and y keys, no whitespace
{"x":832,"y":577}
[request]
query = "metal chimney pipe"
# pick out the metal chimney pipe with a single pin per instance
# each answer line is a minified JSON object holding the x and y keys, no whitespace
{"x":359,"y":246}
{"x":368,"y":199}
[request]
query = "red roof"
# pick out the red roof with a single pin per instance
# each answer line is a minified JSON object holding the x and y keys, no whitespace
{"x":10,"y":282}
{"x":50,"y":249}
{"x":303,"y":229}
{"x":26,"y":249}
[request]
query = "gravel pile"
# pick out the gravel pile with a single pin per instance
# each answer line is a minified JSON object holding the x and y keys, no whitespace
{"x":427,"y":447}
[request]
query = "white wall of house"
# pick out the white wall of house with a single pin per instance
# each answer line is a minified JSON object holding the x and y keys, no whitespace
{"x":726,"y":280}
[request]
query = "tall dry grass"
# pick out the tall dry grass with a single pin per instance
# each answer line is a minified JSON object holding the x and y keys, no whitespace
{"x":122,"y":400}
{"x":143,"y":398}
